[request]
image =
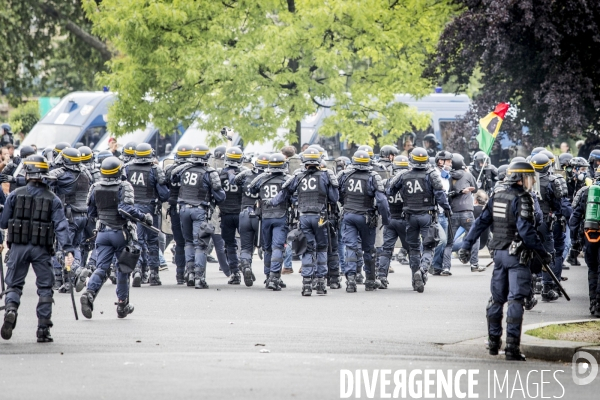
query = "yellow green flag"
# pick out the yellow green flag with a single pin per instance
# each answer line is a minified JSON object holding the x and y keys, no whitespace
{"x":489,"y":126}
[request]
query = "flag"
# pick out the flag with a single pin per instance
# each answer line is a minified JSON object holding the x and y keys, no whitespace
{"x":489,"y":126}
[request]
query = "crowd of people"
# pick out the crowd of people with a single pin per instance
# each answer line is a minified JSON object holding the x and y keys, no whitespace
{"x":80,"y":219}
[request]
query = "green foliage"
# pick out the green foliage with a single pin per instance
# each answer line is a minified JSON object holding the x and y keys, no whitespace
{"x":24,"y":117}
{"x":258,"y":65}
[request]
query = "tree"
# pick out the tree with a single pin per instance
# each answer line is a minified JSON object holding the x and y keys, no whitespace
{"x":24,"y":117}
{"x":36,"y":36}
{"x":258,"y":65}
{"x":536,"y":54}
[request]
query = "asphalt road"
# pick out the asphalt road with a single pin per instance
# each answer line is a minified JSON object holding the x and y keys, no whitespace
{"x":187,"y":343}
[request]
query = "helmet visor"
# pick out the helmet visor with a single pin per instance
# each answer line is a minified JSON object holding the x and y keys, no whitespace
{"x":531,"y":183}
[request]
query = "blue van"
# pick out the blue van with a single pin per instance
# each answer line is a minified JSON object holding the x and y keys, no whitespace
{"x":80,"y":117}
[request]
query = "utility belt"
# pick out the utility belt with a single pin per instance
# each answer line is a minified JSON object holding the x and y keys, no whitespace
{"x":517,"y":249}
{"x":70,"y":213}
{"x":550,"y":219}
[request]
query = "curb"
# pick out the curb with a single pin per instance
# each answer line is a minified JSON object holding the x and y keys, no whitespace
{"x":555,"y":350}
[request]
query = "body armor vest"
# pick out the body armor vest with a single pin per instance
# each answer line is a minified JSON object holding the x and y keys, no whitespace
{"x":107,"y":204}
{"x":249,"y":199}
{"x":193,"y":189}
{"x":269,"y":189}
{"x":356,"y":197}
{"x":233,"y":195}
{"x":77,"y":199}
{"x":545,"y":205}
{"x":173,"y":187}
{"x":31,"y":219}
{"x":505,"y":223}
{"x":139,"y":177}
{"x":416,"y":193}
{"x":396,"y":206}
{"x":311,"y":198}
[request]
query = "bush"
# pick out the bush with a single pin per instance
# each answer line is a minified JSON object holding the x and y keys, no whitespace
{"x":23,"y":118}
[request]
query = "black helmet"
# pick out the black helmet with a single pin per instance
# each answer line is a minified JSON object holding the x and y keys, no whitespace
{"x":26,"y":151}
{"x":578,"y":162}
{"x":368,"y":149}
{"x":518,"y":159}
{"x":101,"y":156}
{"x":311,"y":156}
{"x":129,"y":151}
{"x":564,"y":159}
{"x":143,"y":153}
{"x":430,"y":137}
{"x":219,"y":152}
{"x":388,"y":150}
{"x":183,"y":151}
{"x":419,"y":158}
{"x":479,"y":159}
{"x":521,"y":171}
{"x":6,"y":127}
{"x":261,"y":162}
{"x":341,"y":163}
{"x":458,"y":161}
{"x":502,"y":172}
{"x":59,"y":147}
{"x":36,"y":167}
{"x":277,"y":163}
{"x":537,"y":150}
{"x":200,"y":154}
{"x":361,"y":160}
{"x":87,"y":155}
{"x":594,"y":158}
{"x":400,"y":162}
{"x":541,"y":163}
{"x":111,"y":167}
{"x":443,"y":155}
{"x":550,"y":156}
{"x":71,"y":156}
{"x":233,"y":156}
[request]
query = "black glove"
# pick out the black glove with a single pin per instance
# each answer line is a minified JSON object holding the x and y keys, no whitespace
{"x":7,"y":178}
{"x":547,"y":258}
{"x":148,"y":219}
{"x":464,"y":256}
{"x":267,"y":203}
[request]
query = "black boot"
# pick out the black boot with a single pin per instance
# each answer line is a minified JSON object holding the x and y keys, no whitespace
{"x":351,"y":284}
{"x":418,"y":282}
{"x":189,"y":274}
{"x":383,"y":282}
{"x":179,"y":278}
{"x":82,"y":276}
{"x":145,"y":276}
{"x":58,"y":282}
{"x":10,"y":321}
{"x":548,"y":294}
{"x":592,"y":306}
{"x":360,"y":279}
{"x":306,"y":286}
{"x":321,"y":286}
{"x":154,"y":278}
{"x":571,"y":259}
{"x":43,"y":334}
{"x":537,"y":286}
{"x":494,"y":344}
{"x":334,"y":282}
{"x":247,"y":271}
{"x":235,"y":279}
{"x":87,"y":303}
{"x":137,"y":278}
{"x":530,"y":302}
{"x":66,"y":286}
{"x":512,"y":350}
{"x":124,"y":308}
{"x":200,"y":281}
{"x":273,"y":281}
{"x":280,"y":281}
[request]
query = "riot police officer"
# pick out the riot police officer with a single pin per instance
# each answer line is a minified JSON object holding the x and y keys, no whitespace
{"x":361,"y":194}
{"x":594,"y":159}
{"x":396,"y":229}
{"x":275,"y":227}
{"x":33,"y":216}
{"x":511,"y":210}
{"x":116,"y":236}
{"x":14,"y":172}
{"x":230,"y":209}
{"x":584,"y":232}
{"x":200,"y":187}
{"x":128,"y":153}
{"x":485,"y":174}
{"x":552,"y":194}
{"x":316,"y":188}
{"x":387,"y":154}
{"x":421,"y":188}
{"x":71,"y":182}
{"x":56,"y":154}
{"x":431,"y":145}
{"x":249,"y":218}
{"x":149,"y":188}
{"x":182,"y":155}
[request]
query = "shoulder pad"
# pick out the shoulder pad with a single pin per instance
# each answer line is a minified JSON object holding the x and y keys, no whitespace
{"x":57,"y":172}
{"x":394,"y":180}
{"x":436,"y":179}
{"x":258,"y":179}
{"x":579,"y":195}
{"x":208,"y":168}
{"x":128,"y":194}
{"x":332,"y":178}
{"x":378,"y":182}
{"x":239,"y":178}
{"x":288,"y":182}
{"x":160,"y":174}
{"x":215,"y":181}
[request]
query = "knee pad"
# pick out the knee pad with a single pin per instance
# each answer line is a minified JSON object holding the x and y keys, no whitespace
{"x":321,"y":248}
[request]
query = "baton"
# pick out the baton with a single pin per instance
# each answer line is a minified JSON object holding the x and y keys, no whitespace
{"x":549,"y":271}
{"x":2,"y":285}
{"x":139,"y":221}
